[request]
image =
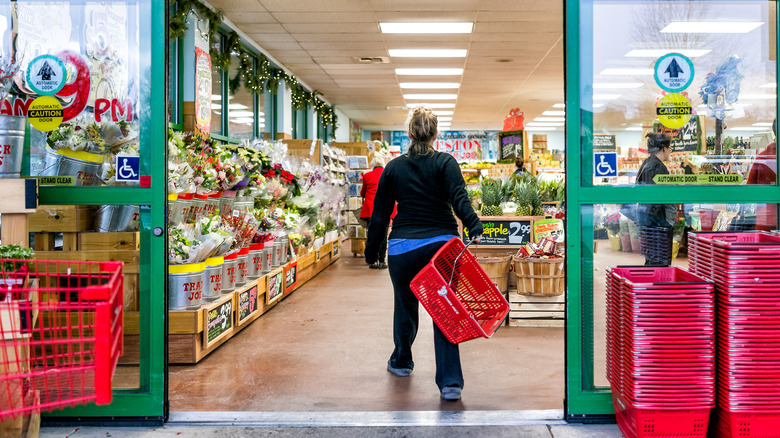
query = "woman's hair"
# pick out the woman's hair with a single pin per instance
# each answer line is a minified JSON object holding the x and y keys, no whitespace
{"x":422,"y":130}
{"x":657,"y":141}
{"x":377,"y":162}
{"x":519,"y":162}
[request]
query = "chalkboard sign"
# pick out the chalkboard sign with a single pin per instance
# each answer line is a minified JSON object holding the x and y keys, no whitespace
{"x":290,"y":276}
{"x":247,"y":304}
{"x":219,"y":322}
{"x":504,"y":232}
{"x":604,"y":142}
{"x":687,"y":138}
{"x":275,"y":288}
{"x":335,"y":249}
{"x":510,"y":145}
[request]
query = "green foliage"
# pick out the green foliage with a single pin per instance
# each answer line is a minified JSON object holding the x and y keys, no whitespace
{"x":14,"y":252}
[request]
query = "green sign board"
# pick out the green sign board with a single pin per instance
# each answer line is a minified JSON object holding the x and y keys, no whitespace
{"x":56,"y":180}
{"x":698,"y":179}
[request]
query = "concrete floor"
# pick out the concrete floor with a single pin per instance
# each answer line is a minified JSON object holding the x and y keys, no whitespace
{"x":325,"y":348}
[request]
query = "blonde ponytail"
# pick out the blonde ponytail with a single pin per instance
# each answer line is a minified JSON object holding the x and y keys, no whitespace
{"x":423,"y":126}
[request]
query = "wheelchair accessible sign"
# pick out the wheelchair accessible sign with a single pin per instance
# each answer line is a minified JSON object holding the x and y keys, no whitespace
{"x":605,"y":164}
{"x":128,"y":168}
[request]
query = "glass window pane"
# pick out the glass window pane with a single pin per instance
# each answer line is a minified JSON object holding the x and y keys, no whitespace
{"x":619,"y":241}
{"x":173,"y":83}
{"x":216,"y":91}
{"x":241,"y":121}
{"x":702,"y":73}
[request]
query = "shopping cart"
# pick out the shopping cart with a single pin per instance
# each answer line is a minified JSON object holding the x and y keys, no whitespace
{"x":60,"y":333}
{"x":460,"y":297}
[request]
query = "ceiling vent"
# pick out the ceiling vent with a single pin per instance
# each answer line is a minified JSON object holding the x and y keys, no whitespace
{"x":372,"y":60}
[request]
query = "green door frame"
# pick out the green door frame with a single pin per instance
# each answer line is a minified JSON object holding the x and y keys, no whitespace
{"x":146,"y":404}
{"x":585,"y":402}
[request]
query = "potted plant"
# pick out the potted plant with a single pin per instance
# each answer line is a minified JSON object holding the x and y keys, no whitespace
{"x":612,"y":224}
{"x":11,"y":126}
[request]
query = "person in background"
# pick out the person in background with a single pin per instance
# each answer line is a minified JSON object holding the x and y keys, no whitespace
{"x":519,"y":165}
{"x":428,"y":186}
{"x":656,"y":220}
{"x":764,"y":171}
{"x":368,"y":192}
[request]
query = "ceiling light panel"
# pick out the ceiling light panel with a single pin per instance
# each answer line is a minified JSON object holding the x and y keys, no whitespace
{"x":432,"y":105}
{"x":537,"y":124}
{"x":711,"y":26}
{"x":427,"y":53}
{"x":444,"y":113}
{"x":429,"y":71}
{"x":457,"y":27}
{"x":549,"y":119}
{"x":430,"y":85}
{"x":449,"y":119}
{"x":428,"y":96}
{"x":554,"y":113}
{"x":559,"y":105}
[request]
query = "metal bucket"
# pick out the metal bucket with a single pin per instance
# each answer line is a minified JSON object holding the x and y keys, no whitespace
{"x":11,"y":146}
{"x":174,"y":215}
{"x":198,"y":207}
{"x":117,"y":218}
{"x":85,"y":167}
{"x":256,"y":256}
{"x":51,"y":163}
{"x":242,"y":207}
{"x":243,"y":267}
{"x":212,"y":204}
{"x":184,"y":205}
{"x":284,"y":248}
{"x":267,"y":258}
{"x":226,"y":203}
{"x":229,"y":273}
{"x":212,"y":279}
{"x":276,"y":254}
{"x":185,"y":286}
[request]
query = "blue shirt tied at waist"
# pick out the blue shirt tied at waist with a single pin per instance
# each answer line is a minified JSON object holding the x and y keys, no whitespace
{"x":402,"y":246}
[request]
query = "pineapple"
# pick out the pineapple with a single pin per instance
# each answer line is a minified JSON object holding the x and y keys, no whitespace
{"x":536,"y":203}
{"x":523,"y":196}
{"x":491,"y":198}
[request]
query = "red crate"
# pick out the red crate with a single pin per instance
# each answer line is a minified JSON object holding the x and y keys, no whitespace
{"x":671,"y":422}
{"x":747,"y":424}
{"x":460,"y":297}
{"x":60,"y":333}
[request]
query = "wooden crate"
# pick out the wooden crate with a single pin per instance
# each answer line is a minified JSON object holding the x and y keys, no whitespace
{"x":61,"y":218}
{"x":529,"y":311}
{"x":131,"y":259}
{"x":90,"y":240}
{"x":302,"y":148}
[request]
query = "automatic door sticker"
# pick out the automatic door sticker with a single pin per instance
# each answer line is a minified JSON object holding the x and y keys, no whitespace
{"x":45,"y":113}
{"x":46,"y":75}
{"x":674,"y":110}
{"x":674,"y":72}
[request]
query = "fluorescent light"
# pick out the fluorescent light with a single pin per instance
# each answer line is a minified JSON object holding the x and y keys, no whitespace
{"x":549,"y":119}
{"x":237,"y":106}
{"x":617,"y":85}
{"x":240,"y":114}
{"x":763,"y":124}
{"x":627,"y":72}
{"x":543,"y":128}
{"x":746,"y":128}
{"x":595,"y":105}
{"x":429,"y":71}
{"x":248,"y":120}
{"x":430,"y":85}
{"x":443,"y":128}
{"x":657,"y":53}
{"x":757,"y":96}
{"x":559,"y":105}
{"x":449,"y":119}
{"x":769,"y":85}
{"x":424,"y":96}
{"x":606,"y":96}
{"x":444,"y":113}
{"x":634,"y":128}
{"x":216,"y":97}
{"x":460,"y":27}
{"x":432,"y":105}
{"x":554,"y":113}
{"x":427,"y":53}
{"x":711,"y":26}
{"x":445,"y":124}
{"x":532,"y":124}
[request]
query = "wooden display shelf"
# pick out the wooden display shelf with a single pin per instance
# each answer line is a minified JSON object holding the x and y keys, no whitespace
{"x":186,"y":344}
{"x":529,"y":311}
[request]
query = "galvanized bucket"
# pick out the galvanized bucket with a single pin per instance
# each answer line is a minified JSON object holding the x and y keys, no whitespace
{"x":51,"y":163}
{"x":212,"y":279}
{"x":284,"y":247}
{"x":198,"y":207}
{"x":174,"y":214}
{"x":276,"y":254}
{"x":256,"y":256}
{"x":212,"y":205}
{"x":226,"y":203}
{"x":185,"y":286}
{"x":11,"y":146}
{"x":243,"y":267}
{"x":229,"y":273}
{"x":85,"y":167}
{"x":184,"y":205}
{"x":117,"y":218}
{"x":267,"y":258}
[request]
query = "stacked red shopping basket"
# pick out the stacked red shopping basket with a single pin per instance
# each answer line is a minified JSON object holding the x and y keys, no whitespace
{"x":746,"y":271}
{"x":660,"y":350}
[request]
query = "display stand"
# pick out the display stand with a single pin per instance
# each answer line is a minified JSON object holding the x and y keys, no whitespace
{"x":189,"y":340}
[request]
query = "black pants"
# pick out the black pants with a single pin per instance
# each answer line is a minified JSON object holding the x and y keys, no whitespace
{"x":382,"y":244}
{"x":403,"y":268}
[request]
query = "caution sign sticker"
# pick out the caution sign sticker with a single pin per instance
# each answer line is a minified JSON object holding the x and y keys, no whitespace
{"x":674,"y":110}
{"x":45,"y":113}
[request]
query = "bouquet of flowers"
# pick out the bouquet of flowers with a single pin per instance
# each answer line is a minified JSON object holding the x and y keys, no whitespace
{"x":612,"y":223}
{"x":8,"y":69}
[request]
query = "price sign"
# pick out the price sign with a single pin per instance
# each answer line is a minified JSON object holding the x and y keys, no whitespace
{"x":604,"y":142}
{"x":275,"y":288}
{"x":247,"y":304}
{"x":335,"y":249}
{"x":290,"y":276}
{"x":219,"y":322}
{"x":504,"y":233}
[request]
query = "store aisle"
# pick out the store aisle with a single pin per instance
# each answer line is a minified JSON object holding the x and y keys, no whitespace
{"x":325,"y":348}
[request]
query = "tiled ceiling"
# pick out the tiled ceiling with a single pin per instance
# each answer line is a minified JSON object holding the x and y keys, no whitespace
{"x":514,"y":60}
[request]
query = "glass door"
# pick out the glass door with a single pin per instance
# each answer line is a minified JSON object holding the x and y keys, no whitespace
{"x":670,"y":108}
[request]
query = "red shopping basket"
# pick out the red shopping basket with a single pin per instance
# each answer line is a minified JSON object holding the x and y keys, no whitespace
{"x":461,"y":299}
{"x":60,"y":333}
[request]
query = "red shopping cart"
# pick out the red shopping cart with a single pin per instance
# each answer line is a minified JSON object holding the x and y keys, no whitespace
{"x":60,"y":333}
{"x":460,"y":297}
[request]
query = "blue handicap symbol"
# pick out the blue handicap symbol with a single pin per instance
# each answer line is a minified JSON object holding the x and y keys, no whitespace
{"x":128,"y":168}
{"x":605,"y":164}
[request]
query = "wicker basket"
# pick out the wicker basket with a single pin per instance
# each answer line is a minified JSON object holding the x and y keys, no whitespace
{"x":539,"y":277}
{"x":496,"y":266}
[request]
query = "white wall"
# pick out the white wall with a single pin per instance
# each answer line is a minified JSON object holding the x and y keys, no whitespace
{"x":342,"y":127}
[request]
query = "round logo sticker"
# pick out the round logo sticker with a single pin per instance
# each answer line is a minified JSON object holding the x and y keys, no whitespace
{"x":46,"y":75}
{"x":674,"y":72}
{"x":45,"y":113}
{"x":674,"y":110}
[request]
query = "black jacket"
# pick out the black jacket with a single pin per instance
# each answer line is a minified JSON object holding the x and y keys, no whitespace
{"x":654,"y":215}
{"x":427,"y":188}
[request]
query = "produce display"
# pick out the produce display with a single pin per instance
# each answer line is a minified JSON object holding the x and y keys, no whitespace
{"x":524,"y":195}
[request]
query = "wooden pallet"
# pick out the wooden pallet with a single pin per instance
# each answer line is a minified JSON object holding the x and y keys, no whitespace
{"x":529,"y":311}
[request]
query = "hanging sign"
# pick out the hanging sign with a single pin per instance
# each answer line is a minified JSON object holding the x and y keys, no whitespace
{"x":497,"y":233}
{"x":219,"y":322}
{"x":202,"y":90}
{"x":45,"y":113}
{"x":674,"y":72}
{"x":46,"y":75}
{"x":674,"y":110}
